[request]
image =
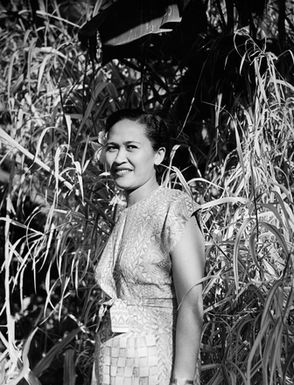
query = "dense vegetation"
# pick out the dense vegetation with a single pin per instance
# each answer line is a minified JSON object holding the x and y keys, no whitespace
{"x":227,"y":90}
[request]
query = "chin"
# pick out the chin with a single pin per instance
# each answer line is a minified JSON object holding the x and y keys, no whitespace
{"x":123,"y":185}
{"x":127,"y":187}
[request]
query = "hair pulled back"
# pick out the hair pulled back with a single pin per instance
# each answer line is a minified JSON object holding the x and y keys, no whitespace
{"x":155,"y":128}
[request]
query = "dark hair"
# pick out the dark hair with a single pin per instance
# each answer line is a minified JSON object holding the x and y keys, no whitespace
{"x":155,"y":127}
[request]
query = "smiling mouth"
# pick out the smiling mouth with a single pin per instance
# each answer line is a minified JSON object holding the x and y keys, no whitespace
{"x":122,"y":172}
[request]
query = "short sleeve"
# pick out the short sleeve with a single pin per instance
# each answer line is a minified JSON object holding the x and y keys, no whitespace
{"x":180,"y":210}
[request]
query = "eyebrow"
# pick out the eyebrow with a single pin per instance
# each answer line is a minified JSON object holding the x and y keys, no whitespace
{"x":127,"y":142}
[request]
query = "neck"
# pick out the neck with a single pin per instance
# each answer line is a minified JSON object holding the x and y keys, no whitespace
{"x":141,"y":192}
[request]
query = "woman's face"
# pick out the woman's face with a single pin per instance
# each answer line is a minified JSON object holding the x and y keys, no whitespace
{"x":130,"y":156}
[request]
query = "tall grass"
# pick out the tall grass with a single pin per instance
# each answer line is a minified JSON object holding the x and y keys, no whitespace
{"x":55,"y":215}
{"x":54,"y":210}
{"x":248,"y":333}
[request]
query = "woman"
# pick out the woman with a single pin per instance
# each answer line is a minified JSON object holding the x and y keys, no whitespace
{"x":150,"y":268}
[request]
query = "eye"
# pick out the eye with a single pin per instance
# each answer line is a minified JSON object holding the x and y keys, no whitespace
{"x":132,"y":147}
{"x":110,"y":148}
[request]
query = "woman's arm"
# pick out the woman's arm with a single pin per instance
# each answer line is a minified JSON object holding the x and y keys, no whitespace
{"x":188,"y":258}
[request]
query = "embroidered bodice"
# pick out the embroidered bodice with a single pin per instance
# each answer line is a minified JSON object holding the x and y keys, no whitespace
{"x":136,"y":265}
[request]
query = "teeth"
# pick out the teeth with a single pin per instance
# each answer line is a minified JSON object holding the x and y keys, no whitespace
{"x":122,"y":172}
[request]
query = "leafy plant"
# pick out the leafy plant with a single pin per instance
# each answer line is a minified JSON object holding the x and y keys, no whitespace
{"x":248,"y":334}
{"x":54,"y":211}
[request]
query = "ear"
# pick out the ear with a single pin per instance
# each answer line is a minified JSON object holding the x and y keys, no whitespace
{"x":159,"y":156}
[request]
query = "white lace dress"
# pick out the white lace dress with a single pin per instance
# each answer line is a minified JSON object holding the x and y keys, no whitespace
{"x":135,"y":274}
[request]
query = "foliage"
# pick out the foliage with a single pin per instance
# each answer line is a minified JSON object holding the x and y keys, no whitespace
{"x":53,"y":221}
{"x":54,"y":211}
{"x":248,"y":336}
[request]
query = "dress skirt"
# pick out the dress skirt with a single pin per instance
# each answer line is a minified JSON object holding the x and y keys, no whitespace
{"x":141,"y":356}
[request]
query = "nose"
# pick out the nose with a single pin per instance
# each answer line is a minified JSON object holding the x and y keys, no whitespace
{"x":120,"y":156}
